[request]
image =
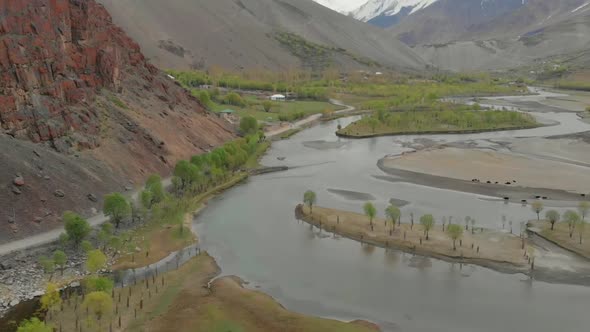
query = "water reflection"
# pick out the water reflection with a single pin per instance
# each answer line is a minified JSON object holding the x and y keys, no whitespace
{"x":253,"y":235}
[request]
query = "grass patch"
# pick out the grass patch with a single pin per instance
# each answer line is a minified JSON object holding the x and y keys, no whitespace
{"x":561,"y":236}
{"x":398,"y":123}
{"x":279,"y":110}
{"x":118,"y":102}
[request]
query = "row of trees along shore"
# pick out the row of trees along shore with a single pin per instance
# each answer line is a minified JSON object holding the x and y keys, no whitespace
{"x":575,"y":220}
{"x":106,"y":242}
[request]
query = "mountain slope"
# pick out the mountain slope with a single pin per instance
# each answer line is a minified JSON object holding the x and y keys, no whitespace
{"x":240,"y":34}
{"x":450,"y":20}
{"x":82,"y":113}
{"x":537,"y":30}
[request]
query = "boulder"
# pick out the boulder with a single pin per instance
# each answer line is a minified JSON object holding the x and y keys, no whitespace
{"x":59,"y":193}
{"x":19,"y":181}
{"x":16,"y":191}
{"x":92,"y":198}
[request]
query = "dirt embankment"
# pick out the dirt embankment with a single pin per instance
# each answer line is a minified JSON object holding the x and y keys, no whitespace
{"x":486,"y":248}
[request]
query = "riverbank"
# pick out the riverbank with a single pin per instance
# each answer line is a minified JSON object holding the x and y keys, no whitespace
{"x":507,"y":193}
{"x":560,"y":236}
{"x":184,"y":299}
{"x":485,"y":165}
{"x":497,"y":250}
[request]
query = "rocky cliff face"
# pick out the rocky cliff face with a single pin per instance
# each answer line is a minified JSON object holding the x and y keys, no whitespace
{"x":73,"y":82}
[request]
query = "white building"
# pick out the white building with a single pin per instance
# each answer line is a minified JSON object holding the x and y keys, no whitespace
{"x":277,"y":98}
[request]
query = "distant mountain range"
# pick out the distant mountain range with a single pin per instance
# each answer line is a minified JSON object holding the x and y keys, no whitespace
{"x":484,"y":34}
{"x":386,"y":13}
{"x":265,"y":34}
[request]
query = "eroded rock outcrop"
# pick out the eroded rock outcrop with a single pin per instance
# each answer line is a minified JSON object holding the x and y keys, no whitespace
{"x":73,"y":82}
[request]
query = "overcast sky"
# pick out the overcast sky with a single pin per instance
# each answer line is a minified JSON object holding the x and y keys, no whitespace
{"x":342,"y":5}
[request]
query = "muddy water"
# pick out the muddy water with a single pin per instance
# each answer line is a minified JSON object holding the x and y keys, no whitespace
{"x":252,"y":232}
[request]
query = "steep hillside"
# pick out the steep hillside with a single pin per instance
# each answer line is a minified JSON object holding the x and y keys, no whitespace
{"x":538,"y":31}
{"x":240,"y":34}
{"x":450,"y":20}
{"x":83,"y":113}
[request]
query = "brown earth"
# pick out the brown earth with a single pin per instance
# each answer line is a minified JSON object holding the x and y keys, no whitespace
{"x":497,"y":250}
{"x":72,"y":82}
{"x":183,"y":300}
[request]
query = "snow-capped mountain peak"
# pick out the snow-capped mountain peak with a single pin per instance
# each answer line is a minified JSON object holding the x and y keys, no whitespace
{"x":342,"y":6}
{"x":375,"y":8}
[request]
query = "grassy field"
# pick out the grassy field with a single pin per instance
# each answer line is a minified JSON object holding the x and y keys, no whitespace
{"x":181,"y":301}
{"x":279,"y":108}
{"x":398,"y":123}
{"x":494,"y":247}
{"x":561,"y":236}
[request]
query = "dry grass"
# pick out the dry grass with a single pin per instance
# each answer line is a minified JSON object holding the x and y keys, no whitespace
{"x":495,"y":247}
{"x":561,"y":236}
{"x":185,"y":303}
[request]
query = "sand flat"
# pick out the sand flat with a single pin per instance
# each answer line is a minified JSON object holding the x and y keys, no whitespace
{"x":487,"y":165}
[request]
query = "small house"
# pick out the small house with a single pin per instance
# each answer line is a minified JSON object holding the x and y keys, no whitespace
{"x":278,"y":98}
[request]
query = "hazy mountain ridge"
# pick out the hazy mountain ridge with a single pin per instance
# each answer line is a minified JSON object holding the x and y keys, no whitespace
{"x":238,"y":34}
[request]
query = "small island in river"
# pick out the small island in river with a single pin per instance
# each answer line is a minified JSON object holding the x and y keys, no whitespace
{"x":474,"y":245}
{"x":455,"y":120}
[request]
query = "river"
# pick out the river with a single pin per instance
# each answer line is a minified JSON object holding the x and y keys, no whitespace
{"x":252,"y":232}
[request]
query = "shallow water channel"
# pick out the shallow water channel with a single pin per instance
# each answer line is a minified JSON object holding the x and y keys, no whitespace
{"x":252,"y":232}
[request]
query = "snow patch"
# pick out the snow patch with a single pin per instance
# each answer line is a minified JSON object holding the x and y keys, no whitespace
{"x":374,"y":8}
{"x":581,"y":7}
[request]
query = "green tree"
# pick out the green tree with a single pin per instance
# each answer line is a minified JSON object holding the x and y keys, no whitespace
{"x":116,"y":243}
{"x":47,"y":264}
{"x":86,"y":246}
{"x":553,"y":217}
{"x":205,"y":98}
{"x":572,"y":218}
{"x":248,"y":125}
{"x":60,"y":259}
{"x":309,"y":198}
{"x":146,"y":199}
{"x":427,"y":222}
{"x":373,"y":123}
{"x":455,"y":232}
{"x":63,"y":240}
{"x":234,"y":99}
{"x":51,"y":298}
{"x":392,"y":212}
{"x":537,"y":207}
{"x":34,"y":325}
{"x":583,"y":208}
{"x":370,"y":212}
{"x":96,"y":260}
{"x":154,"y":185}
{"x":98,"y":284}
{"x":99,"y":303}
{"x":267,"y":105}
{"x":77,"y":228}
{"x":117,"y":208}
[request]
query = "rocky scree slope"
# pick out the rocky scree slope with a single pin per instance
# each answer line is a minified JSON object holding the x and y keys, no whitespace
{"x":82,"y":113}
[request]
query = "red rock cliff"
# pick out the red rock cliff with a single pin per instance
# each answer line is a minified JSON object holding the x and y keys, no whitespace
{"x":71,"y":81}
